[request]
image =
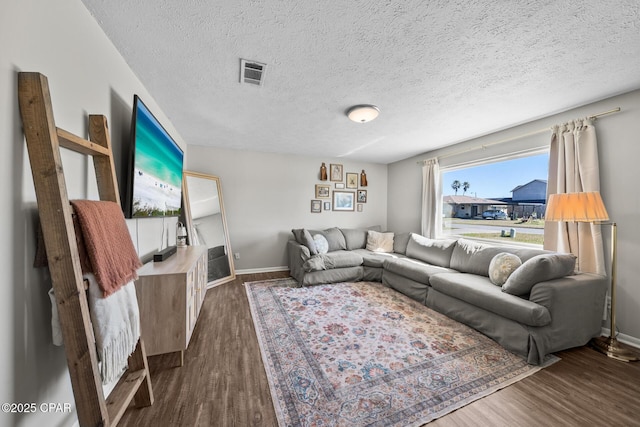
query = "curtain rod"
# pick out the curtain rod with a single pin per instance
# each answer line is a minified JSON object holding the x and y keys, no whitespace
{"x":513,"y":138}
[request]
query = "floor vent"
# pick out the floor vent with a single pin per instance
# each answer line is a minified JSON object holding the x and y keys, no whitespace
{"x":252,"y":72}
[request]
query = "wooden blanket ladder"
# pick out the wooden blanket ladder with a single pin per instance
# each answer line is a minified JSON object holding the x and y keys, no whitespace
{"x":44,"y":140}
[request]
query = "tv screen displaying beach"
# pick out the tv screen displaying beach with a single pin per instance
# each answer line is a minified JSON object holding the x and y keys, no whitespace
{"x":157,"y":179}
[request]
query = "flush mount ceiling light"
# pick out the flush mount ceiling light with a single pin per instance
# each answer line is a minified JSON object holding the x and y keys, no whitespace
{"x":363,"y":113}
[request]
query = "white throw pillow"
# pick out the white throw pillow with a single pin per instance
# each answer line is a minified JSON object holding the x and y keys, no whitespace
{"x":379,"y":242}
{"x":322,"y":245}
{"x":501,"y":267}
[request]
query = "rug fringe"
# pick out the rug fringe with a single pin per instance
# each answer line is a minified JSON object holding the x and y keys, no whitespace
{"x":263,"y":353}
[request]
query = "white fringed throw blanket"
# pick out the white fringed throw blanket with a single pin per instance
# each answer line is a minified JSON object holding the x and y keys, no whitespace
{"x":116,"y":326}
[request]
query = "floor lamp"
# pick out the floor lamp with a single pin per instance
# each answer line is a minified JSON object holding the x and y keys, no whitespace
{"x":588,"y":207}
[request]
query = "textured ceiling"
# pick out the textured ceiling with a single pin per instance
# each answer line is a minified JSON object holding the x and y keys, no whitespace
{"x":441,"y":71}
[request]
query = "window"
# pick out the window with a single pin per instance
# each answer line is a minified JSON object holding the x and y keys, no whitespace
{"x":498,"y":200}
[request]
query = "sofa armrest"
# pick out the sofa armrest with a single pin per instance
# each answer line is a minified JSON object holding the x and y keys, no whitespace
{"x":297,"y":254}
{"x":576,"y":305}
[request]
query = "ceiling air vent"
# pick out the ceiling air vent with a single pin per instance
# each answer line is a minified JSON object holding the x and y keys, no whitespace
{"x":252,"y":72}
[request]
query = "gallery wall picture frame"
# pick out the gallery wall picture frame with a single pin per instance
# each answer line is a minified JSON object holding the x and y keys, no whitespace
{"x":316,"y":206}
{"x":339,"y":185}
{"x":323,"y":191}
{"x":362,"y":196}
{"x":344,"y":201}
{"x":335,"y":173}
{"x":360,"y":207}
{"x":327,"y":206}
{"x":352,"y":180}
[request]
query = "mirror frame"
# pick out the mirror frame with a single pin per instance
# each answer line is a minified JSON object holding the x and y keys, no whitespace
{"x":189,"y":222}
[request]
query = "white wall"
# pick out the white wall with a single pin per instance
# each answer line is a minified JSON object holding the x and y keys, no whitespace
{"x":86,"y":75}
{"x":619,"y":153}
{"x":266,"y":195}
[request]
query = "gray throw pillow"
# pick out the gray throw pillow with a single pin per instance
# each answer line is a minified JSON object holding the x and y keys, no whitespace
{"x":539,"y":269}
{"x":501,"y":267}
{"x":355,"y":238}
{"x":400,"y":242}
{"x":303,"y":237}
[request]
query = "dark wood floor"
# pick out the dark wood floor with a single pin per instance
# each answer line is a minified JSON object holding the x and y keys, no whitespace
{"x":223,"y":383}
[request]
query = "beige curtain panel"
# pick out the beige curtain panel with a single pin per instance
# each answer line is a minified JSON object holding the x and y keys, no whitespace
{"x":573,"y":167}
{"x":431,"y":199}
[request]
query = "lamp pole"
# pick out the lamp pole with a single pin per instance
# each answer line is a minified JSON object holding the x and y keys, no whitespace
{"x":610,"y":346}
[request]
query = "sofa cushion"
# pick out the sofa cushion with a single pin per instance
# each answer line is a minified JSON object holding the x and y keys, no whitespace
{"x":334,"y":236}
{"x":303,"y":237}
{"x":336,"y":275}
{"x":322,"y":245}
{"x":375,"y":259}
{"x":332,"y":260}
{"x":432,"y":251}
{"x":480,"y":292}
{"x":473,"y":257}
{"x":355,"y":238}
{"x":501,"y":267}
{"x":400,"y":242}
{"x":413,"y":269}
{"x":342,"y":259}
{"x":539,"y":269}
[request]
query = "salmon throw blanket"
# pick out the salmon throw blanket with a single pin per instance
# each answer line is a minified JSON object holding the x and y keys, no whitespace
{"x":110,"y":266}
{"x":113,"y":258}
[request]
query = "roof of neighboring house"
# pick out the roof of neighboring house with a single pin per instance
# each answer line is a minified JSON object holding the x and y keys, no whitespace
{"x":468,"y":200}
{"x":544,"y":181}
{"x":510,"y":201}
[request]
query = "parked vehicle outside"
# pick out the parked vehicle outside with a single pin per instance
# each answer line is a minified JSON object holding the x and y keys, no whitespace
{"x":494,"y":214}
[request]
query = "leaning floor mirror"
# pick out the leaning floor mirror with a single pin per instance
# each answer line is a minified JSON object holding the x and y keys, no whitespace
{"x":207,"y":225}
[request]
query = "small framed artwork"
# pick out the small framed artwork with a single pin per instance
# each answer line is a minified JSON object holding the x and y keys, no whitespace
{"x":362,"y":196}
{"x":340,"y":185}
{"x":360,"y":207}
{"x":327,"y":206}
{"x":322,"y":191}
{"x":336,"y":172}
{"x":316,"y":206}
{"x":344,"y":201}
{"x":352,"y":180}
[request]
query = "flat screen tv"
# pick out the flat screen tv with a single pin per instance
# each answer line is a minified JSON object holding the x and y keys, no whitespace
{"x":155,"y":174}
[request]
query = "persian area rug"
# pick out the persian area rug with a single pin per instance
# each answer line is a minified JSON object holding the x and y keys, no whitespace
{"x":361,"y":354}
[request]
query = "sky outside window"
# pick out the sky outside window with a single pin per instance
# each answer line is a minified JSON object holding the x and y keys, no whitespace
{"x":496,"y":180}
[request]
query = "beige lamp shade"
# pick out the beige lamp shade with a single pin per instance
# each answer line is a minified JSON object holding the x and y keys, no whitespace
{"x":576,"y":207}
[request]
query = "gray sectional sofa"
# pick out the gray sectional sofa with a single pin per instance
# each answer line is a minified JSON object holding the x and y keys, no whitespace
{"x":542,"y":307}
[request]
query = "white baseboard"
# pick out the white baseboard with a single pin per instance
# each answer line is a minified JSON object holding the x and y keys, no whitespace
{"x":262,"y":270}
{"x":626,"y":339}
